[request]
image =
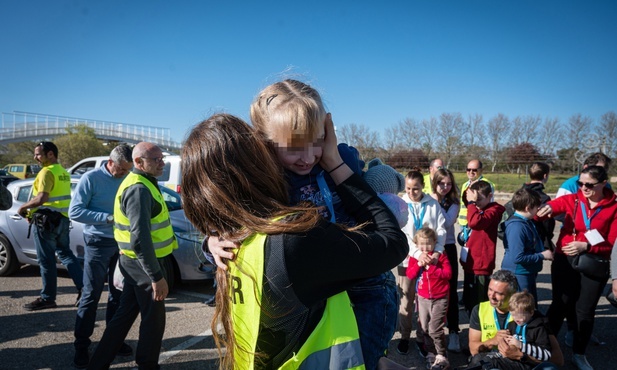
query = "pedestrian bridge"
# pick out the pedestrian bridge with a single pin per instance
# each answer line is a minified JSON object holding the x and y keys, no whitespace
{"x":24,"y":126}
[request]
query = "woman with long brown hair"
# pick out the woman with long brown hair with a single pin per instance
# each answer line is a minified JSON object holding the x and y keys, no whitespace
{"x":292,"y":262}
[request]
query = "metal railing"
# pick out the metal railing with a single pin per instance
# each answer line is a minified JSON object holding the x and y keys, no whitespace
{"x":21,"y":126}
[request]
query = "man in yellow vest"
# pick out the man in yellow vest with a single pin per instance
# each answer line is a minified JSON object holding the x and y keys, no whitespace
{"x":48,"y":213}
{"x":488,"y":323}
{"x":146,"y":239}
{"x":474,"y":174}
{"x":436,"y":165}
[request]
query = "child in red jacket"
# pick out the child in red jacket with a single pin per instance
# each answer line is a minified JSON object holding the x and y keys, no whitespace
{"x":432,"y":299}
{"x":483,"y":217}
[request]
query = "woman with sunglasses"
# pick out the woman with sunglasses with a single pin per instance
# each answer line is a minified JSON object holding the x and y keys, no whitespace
{"x":589,"y":227}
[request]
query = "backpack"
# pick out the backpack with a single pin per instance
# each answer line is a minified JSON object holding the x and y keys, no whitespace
{"x":509,"y":212}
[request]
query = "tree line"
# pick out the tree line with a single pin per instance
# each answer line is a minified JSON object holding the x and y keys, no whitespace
{"x":503,"y":143}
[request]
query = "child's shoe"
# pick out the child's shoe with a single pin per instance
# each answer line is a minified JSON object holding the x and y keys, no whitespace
{"x":430,"y":360}
{"x":441,"y":363}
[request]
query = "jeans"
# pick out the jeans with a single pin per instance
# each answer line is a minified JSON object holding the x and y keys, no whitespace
{"x":528,"y":282}
{"x":101,"y":255}
{"x":375,"y":304}
{"x":48,"y":243}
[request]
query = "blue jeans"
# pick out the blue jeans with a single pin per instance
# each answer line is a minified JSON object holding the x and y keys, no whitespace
{"x":101,"y":255}
{"x":528,"y":282}
{"x":48,"y":243}
{"x":375,"y":303}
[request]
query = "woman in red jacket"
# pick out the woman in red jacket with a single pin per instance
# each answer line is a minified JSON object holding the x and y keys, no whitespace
{"x":589,"y":227}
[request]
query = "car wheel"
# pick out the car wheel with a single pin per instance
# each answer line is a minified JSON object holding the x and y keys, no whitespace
{"x":170,"y":272}
{"x":8,"y":259}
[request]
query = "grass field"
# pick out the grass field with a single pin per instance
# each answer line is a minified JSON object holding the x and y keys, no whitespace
{"x":510,"y":182}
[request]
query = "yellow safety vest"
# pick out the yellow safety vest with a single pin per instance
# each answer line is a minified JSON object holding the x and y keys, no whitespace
{"x":486,"y":313}
{"x":333,"y":344}
{"x":60,"y":195}
{"x":162,"y":233}
{"x":428,"y":188}
{"x":462,"y":214}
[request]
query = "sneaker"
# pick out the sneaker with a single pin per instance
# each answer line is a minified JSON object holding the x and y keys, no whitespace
{"x":211,"y":302}
{"x":441,"y":363}
{"x":430,"y":360}
{"x":421,"y":349}
{"x":569,"y":338}
{"x":78,"y":298}
{"x":580,"y":361}
{"x":81,"y":359}
{"x":454,"y":343}
{"x":40,"y":304}
{"x":403,"y":346}
{"x":125,"y":350}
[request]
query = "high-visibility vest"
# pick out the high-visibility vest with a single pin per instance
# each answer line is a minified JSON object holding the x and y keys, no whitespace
{"x":162,"y":233}
{"x":428,"y":187}
{"x":333,"y":344}
{"x":60,"y":195}
{"x":462,"y":214}
{"x":486,"y":313}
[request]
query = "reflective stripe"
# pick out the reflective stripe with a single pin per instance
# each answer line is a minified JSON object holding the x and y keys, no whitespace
{"x":55,"y":199}
{"x":340,"y":356}
{"x":122,"y":227}
{"x":160,"y":225}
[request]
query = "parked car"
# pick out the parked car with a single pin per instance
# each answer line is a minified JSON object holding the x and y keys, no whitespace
{"x":16,"y":249}
{"x":171,"y":177}
{"x":22,"y":171}
{"x":7,"y":178}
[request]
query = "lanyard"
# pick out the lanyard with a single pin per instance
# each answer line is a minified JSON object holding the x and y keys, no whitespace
{"x":586,"y":218}
{"x":327,"y":195}
{"x":497,"y":319}
{"x":417,"y":221}
{"x":522,"y":336}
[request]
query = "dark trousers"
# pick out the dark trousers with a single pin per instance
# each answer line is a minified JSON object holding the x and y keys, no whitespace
{"x":475,"y":290}
{"x":136,"y":300}
{"x":573,"y":292}
{"x":100,"y":257}
{"x":452,"y":315}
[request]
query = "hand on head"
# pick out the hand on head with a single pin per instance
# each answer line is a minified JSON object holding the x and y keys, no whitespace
{"x":331,"y":156}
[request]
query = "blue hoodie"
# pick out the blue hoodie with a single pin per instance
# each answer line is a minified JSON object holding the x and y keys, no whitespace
{"x":523,"y":246}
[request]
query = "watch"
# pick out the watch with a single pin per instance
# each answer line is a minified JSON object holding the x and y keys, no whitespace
{"x":110,"y":219}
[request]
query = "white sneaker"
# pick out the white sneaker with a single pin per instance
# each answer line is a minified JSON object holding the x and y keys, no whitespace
{"x":430,"y":360}
{"x":454,"y":343}
{"x":441,"y":363}
{"x":580,"y":361}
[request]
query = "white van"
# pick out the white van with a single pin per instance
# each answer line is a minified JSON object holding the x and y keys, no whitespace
{"x":171,"y":177}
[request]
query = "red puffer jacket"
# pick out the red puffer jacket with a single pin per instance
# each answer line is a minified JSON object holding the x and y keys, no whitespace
{"x":434,"y":282}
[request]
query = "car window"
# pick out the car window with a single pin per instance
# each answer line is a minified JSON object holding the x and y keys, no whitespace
{"x":165,"y":175}
{"x":24,"y":193}
{"x":172,"y":199}
{"x":84,"y":167}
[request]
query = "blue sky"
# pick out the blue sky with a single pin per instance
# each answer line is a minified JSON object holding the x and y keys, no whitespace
{"x":173,"y":63}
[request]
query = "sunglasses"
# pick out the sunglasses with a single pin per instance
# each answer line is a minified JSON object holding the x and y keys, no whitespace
{"x":472,"y":170}
{"x":588,"y":185}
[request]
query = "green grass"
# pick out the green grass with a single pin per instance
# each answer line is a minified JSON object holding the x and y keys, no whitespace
{"x":510,"y":182}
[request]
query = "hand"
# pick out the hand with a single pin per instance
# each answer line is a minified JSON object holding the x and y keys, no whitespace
{"x":548,"y":255}
{"x":435,"y":258}
{"x":218,"y":247}
{"x":472,"y":195}
{"x":513,"y":342}
{"x":424,"y":259}
{"x":331,"y":156}
{"x":574,"y":248}
{"x":160,"y":290}
{"x":509,"y":351}
{"x":545,"y":210}
{"x":23,"y":212}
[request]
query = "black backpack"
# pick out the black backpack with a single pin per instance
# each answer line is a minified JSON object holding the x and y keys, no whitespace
{"x":509,"y":212}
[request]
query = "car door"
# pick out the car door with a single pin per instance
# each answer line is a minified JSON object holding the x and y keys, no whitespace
{"x":18,"y":226}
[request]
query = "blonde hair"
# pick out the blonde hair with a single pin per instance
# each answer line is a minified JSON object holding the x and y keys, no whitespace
{"x":289,"y":106}
{"x":522,"y":301}
{"x":425,"y":233}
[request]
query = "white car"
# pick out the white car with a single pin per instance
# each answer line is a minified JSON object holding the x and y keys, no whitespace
{"x":171,"y":177}
{"x":16,"y":249}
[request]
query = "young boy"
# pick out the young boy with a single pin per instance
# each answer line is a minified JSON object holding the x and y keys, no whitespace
{"x":523,"y":243}
{"x":528,"y":332}
{"x":483,"y":217}
{"x":432,"y":299}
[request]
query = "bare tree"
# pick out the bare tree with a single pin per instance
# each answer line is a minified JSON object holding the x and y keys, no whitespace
{"x":408,"y":131}
{"x":497,"y":130}
{"x":608,"y":129}
{"x":392,"y":139}
{"x":529,"y":129}
{"x":474,"y":130}
{"x":449,"y":133}
{"x":361,"y":137}
{"x":577,"y":132}
{"x":427,"y":137}
{"x":550,"y":135}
